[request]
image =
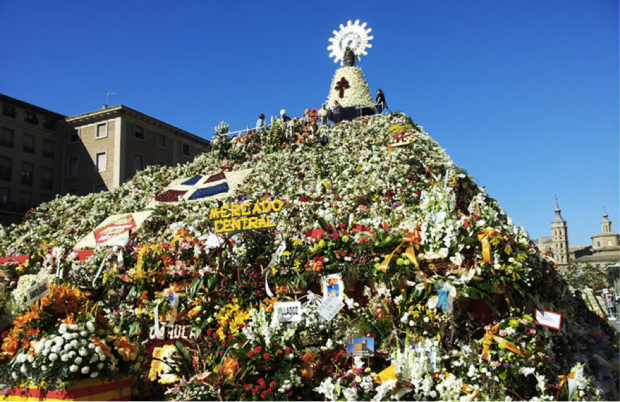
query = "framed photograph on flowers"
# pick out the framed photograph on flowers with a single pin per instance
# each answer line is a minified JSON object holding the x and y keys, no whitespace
{"x":361,"y":346}
{"x":332,"y":286}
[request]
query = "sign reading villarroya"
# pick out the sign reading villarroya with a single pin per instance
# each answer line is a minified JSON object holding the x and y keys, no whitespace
{"x":549,"y":319}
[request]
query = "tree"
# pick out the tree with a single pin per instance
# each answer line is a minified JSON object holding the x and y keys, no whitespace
{"x":581,"y":276}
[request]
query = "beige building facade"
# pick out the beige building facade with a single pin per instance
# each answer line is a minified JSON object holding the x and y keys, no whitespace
{"x":604,"y":251}
{"x":43,"y":153}
{"x":107,"y":147}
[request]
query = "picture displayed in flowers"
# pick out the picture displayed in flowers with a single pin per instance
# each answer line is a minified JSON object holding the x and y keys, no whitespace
{"x":113,"y":229}
{"x":215,"y":186}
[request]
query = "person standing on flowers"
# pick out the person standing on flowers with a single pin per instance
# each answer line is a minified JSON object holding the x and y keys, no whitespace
{"x":283,"y":116}
{"x":380,"y":103}
{"x":323,"y":114}
{"x":260,"y":122}
{"x":306,"y":117}
{"x":337,"y":112}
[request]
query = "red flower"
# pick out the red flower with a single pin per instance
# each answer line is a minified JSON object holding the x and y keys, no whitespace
{"x":273,"y":384}
{"x":287,"y":350}
{"x":247,"y":386}
{"x":266,"y":356}
{"x":250,"y":353}
{"x":258,"y":349}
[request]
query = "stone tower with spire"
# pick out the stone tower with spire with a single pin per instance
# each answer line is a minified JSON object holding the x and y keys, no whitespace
{"x":559,"y":236}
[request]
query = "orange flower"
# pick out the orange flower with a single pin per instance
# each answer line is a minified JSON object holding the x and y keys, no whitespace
{"x":10,"y":345}
{"x":306,"y":367}
{"x":193,"y":312}
{"x":230,"y":365}
{"x":268,"y":303}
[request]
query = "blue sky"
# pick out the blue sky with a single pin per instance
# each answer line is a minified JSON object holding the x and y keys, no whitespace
{"x":523,"y":94}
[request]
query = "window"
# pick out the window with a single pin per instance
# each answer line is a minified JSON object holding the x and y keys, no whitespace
{"x":6,"y":137}
{"x":25,"y":199}
{"x":31,"y":118}
{"x":49,"y":148}
{"x":161,"y":140}
{"x":28,"y":143}
{"x":47,"y":178}
{"x":137,"y":162}
{"x":74,"y":136}
{"x":138,"y":132}
{"x":102,"y":130}
{"x":9,"y":110}
{"x":5,"y":169}
{"x":598,"y":244}
{"x":102,"y":162}
{"x":184,"y":149}
{"x":73,"y":167}
{"x":99,"y":188}
{"x":50,"y":123}
{"x":4,"y":196}
{"x":27,"y":173}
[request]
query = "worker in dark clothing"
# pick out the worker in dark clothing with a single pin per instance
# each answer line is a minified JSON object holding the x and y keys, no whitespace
{"x":380,"y":102}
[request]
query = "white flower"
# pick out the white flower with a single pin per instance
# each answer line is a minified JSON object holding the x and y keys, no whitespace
{"x":53,"y":357}
{"x":56,"y":349}
{"x":85,"y":370}
{"x":90,"y":326}
{"x":94,"y":358}
{"x":65,"y":357}
{"x":23,"y":368}
{"x":94,"y":374}
{"x":83,"y":352}
{"x":100,"y":366}
{"x":73,"y":368}
{"x":59,"y":340}
{"x":84,"y":334}
{"x":78,"y":360}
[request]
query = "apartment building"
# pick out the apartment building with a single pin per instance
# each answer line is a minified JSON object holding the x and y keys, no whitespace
{"x":43,"y":153}
{"x":30,"y":157}
{"x":107,"y":147}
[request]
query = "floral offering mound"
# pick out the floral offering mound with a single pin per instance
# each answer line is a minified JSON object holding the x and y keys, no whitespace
{"x":352,"y":261}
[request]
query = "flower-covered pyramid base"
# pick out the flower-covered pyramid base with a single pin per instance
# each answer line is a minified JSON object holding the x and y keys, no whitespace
{"x":354,"y":261}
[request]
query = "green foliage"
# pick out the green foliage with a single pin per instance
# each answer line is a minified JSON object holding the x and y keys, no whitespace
{"x":586,"y":276}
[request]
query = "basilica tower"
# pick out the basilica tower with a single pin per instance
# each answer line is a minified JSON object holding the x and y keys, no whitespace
{"x":559,"y":236}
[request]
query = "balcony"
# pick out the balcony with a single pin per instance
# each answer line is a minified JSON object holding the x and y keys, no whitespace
{"x":23,"y":206}
{"x":7,"y":206}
